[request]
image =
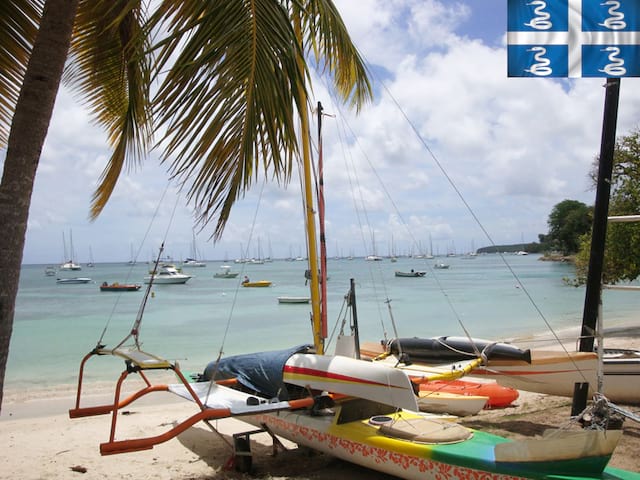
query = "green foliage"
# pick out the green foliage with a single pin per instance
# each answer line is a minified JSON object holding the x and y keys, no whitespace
{"x":568,"y":220}
{"x":532,"y":247}
{"x":621,"y":262}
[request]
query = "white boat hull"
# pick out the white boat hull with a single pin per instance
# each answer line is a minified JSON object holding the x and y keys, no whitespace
{"x":352,"y":377}
{"x":168,"y":281}
{"x":451,"y":403}
{"x":73,"y":281}
{"x":556,"y":375}
{"x":294,"y":299}
{"x":225,"y":275}
{"x":551,"y":373}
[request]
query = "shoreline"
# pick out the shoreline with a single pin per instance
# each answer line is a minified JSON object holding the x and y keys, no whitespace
{"x":624,"y":332}
{"x":40,"y":440}
{"x":54,"y":446}
{"x":23,"y":402}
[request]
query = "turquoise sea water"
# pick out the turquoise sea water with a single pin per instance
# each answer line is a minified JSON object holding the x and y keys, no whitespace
{"x":56,"y":325}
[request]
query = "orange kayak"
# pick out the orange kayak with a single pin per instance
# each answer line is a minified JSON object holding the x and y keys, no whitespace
{"x":498,"y":395}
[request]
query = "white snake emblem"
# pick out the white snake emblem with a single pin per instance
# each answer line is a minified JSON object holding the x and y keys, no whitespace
{"x":541,"y":20}
{"x":541,"y":67}
{"x":616,"y":66}
{"x":616,"y":19}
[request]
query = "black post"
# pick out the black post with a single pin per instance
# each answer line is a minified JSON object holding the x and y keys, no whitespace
{"x":354,"y":311}
{"x":593,"y":292}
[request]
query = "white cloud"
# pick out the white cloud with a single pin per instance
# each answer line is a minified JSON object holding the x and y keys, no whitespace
{"x":513,"y":148}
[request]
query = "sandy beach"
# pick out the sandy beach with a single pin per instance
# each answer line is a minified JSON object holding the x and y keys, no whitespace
{"x":39,"y":441}
{"x":35,"y":444}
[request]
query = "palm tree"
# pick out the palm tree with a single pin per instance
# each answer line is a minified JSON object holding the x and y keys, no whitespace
{"x":227,"y":100}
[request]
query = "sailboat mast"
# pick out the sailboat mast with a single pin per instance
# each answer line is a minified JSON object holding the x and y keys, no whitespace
{"x":323,"y":240}
{"x":593,"y":294}
{"x":318,"y":339}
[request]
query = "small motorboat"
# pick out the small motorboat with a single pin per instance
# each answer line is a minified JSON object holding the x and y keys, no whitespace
{"x":192,"y":262}
{"x":225,"y":272}
{"x":294,"y":299}
{"x":72,"y":281}
{"x":412,"y":273}
{"x":119,"y":287}
{"x":168,"y":274}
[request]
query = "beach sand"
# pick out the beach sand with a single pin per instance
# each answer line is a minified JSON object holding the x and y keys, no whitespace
{"x":39,"y":441}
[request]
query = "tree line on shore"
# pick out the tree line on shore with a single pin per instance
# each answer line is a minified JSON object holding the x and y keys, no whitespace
{"x":570,"y":222}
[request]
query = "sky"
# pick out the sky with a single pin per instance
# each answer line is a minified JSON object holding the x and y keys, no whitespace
{"x":452,"y":155}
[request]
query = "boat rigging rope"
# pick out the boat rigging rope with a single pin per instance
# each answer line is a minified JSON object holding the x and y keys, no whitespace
{"x":99,"y":343}
{"x":469,"y":209}
{"x":235,"y":294}
{"x":361,"y":212}
{"x":135,"y":329}
{"x":484,"y":230}
{"x":433,"y":275}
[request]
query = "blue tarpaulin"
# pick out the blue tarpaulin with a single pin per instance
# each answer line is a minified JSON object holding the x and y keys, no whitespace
{"x":259,"y":372}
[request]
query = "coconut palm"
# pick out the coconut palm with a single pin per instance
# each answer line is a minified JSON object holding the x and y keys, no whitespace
{"x":230,"y":84}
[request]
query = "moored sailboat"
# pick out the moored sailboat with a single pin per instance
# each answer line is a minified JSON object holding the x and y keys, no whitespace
{"x":353,"y":410}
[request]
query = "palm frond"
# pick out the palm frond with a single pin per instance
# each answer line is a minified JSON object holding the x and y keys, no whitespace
{"x":111,"y":69}
{"x":229,"y":99}
{"x":333,"y":49}
{"x":19,"y":20}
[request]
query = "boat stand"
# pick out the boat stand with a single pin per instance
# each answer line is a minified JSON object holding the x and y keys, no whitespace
{"x":242,"y":459}
{"x":138,"y":362}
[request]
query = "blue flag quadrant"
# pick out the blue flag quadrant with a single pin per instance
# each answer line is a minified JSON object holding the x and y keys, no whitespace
{"x":573,"y":38}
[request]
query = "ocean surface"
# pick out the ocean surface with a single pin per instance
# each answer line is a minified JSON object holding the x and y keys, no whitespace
{"x":491,"y":296}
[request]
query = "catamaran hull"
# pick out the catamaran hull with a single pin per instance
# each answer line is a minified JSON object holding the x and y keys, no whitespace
{"x":451,"y":403}
{"x":547,"y":372}
{"x":622,"y":376}
{"x":556,"y":376}
{"x":351,"y":377}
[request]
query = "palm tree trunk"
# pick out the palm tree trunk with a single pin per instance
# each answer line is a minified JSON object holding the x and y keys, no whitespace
{"x":28,"y":132}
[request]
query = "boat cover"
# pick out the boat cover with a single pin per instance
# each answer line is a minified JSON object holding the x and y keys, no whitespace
{"x":259,"y":372}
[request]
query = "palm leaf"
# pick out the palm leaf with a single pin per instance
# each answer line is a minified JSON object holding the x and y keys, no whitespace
{"x":19,"y":21}
{"x":333,"y":49}
{"x":228,"y":99}
{"x":111,"y":69}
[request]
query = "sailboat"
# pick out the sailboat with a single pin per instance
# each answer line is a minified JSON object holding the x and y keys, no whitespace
{"x":362,"y":412}
{"x":547,"y":372}
{"x":356,"y":422}
{"x":193,"y":261}
{"x":69,"y":264}
{"x":90,"y":263}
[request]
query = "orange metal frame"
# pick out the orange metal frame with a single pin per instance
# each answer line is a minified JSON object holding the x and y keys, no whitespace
{"x":114,"y":446}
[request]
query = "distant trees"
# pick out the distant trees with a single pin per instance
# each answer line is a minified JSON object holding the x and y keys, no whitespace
{"x":568,"y":222}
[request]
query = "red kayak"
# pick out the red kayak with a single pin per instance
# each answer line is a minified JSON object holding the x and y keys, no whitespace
{"x":499,"y":396}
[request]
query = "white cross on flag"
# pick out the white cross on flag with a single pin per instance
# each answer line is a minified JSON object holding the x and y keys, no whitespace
{"x":573,"y":38}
